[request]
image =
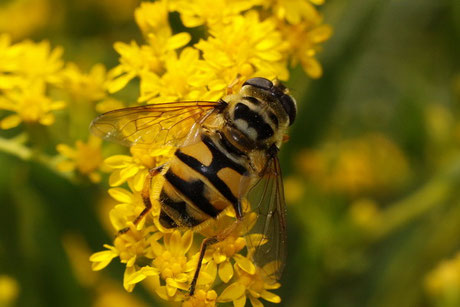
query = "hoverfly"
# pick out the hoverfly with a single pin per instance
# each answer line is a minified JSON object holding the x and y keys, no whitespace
{"x":226,"y":149}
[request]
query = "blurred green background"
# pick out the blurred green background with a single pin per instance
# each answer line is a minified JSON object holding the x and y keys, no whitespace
{"x":372,"y":169}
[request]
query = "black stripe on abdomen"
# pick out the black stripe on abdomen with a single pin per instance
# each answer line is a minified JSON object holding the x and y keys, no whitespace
{"x":193,"y":191}
{"x":178,"y":210}
{"x":219,"y":161}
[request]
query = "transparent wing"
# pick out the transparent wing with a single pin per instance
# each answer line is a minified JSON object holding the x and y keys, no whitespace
{"x":267,"y":239}
{"x":157,"y":124}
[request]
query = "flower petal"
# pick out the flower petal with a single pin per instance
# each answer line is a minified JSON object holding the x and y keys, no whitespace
{"x":245,"y":264}
{"x":232,"y":292}
{"x":270,"y":297}
{"x":10,"y":122}
{"x":225,"y":271}
{"x":121,"y":195}
{"x":178,"y":40}
{"x":255,"y":302}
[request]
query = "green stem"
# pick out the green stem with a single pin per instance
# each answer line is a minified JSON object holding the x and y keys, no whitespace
{"x":16,"y":148}
{"x":434,"y":193}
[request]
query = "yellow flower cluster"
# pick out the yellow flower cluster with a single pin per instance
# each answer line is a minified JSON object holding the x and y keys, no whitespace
{"x":443,"y":282}
{"x":356,"y":166}
{"x":27,"y":70}
{"x":243,"y":39}
{"x":36,"y":84}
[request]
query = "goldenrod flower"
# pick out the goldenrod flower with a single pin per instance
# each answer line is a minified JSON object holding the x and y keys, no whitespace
{"x":223,"y":252}
{"x":210,"y":12}
{"x":356,"y":165}
{"x":184,"y":79}
{"x":90,"y":86}
{"x":294,"y":11}
{"x":172,"y":262}
{"x":137,"y":165}
{"x":304,"y":42}
{"x":26,"y":71}
{"x":252,"y":285}
{"x":129,"y":206}
{"x":30,"y":105}
{"x":31,"y":61}
{"x":86,"y":158}
{"x":202,"y":298}
{"x":135,"y":61}
{"x":444,"y":280}
{"x":9,"y":290}
{"x":247,"y":46}
{"x":29,"y":16}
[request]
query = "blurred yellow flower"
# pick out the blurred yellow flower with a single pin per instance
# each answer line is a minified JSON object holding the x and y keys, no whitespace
{"x":210,"y":12}
{"x":370,"y":163}
{"x":293,"y":188}
{"x":26,"y":71}
{"x":304,"y":42}
{"x":444,"y":281}
{"x":31,"y":105}
{"x":294,"y":11}
{"x":9,"y":290}
{"x":365,"y":213}
{"x":86,"y":158}
{"x":90,"y":86}
{"x":29,"y":16}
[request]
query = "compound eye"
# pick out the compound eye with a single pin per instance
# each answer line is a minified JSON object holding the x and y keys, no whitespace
{"x":259,"y":82}
{"x":289,"y":106}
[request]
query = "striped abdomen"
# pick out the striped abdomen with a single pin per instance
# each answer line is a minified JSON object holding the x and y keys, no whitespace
{"x":203,"y":179}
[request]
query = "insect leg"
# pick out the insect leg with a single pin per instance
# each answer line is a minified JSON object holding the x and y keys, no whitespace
{"x":204,"y":245}
{"x":206,"y":242}
{"x":145,"y":196}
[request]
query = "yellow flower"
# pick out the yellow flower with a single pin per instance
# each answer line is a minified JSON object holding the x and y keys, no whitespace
{"x":130,"y":205}
{"x":30,"y":105}
{"x":245,"y":47}
{"x":183,"y":80}
{"x":36,"y":61}
{"x":304,"y":43}
{"x":90,"y":86}
{"x":137,"y":165}
{"x":369,"y":163}
{"x":29,"y":16}
{"x":366,"y":214}
{"x":253,"y":286}
{"x":85,"y":157}
{"x":152,"y":17}
{"x":172,"y":263}
{"x":444,"y":280}
{"x":103,"y":258}
{"x":135,"y":61}
{"x":210,"y":12}
{"x":202,"y":298}
{"x":228,"y":249}
{"x":294,"y":11}
{"x":9,"y":290}
{"x":130,"y":247}
{"x":29,"y":60}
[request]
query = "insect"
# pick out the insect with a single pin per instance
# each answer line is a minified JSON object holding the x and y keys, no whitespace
{"x":226,"y":151}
